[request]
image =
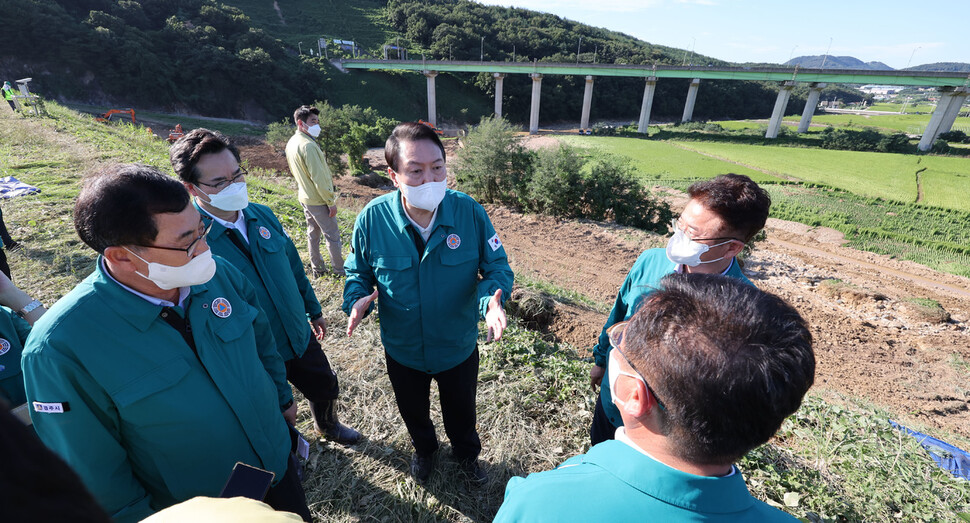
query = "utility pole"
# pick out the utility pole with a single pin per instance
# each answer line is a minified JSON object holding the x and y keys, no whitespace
{"x":300,"y":47}
{"x":911,"y":56}
{"x":482,"y":56}
{"x":792,"y":53}
{"x":826,"y":57}
{"x":579,"y":48}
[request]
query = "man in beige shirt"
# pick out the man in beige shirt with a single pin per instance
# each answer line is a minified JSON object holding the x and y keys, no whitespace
{"x":316,"y":190}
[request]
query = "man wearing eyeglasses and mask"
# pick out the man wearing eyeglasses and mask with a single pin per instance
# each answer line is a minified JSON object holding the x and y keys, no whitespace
{"x":723,"y":214}
{"x":251,"y":238}
{"x":707,"y":369}
{"x":316,"y":190}
{"x":158,"y":372}
{"x":438,"y":267}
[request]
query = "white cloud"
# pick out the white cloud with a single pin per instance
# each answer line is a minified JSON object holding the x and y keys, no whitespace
{"x":697,"y":2}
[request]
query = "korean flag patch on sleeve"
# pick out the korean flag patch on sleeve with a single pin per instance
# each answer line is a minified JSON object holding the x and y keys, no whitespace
{"x":494,"y":242}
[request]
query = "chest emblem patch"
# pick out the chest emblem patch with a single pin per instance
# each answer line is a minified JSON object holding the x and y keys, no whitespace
{"x":4,"y":346}
{"x":221,"y":307}
{"x":264,"y":232}
{"x":453,"y":241}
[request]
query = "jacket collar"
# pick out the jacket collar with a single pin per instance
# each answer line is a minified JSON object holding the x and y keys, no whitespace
{"x":133,"y":308}
{"x":217,"y":227}
{"x":445,"y":218}
{"x":689,"y":491}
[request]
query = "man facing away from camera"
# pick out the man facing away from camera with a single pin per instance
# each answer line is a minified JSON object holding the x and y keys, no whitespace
{"x":706,"y":370}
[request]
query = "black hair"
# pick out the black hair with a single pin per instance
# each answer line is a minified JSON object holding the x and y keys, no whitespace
{"x":737,"y":199}
{"x":408,"y":132}
{"x":303,"y":112}
{"x":730,"y":362}
{"x":117,"y":205}
{"x":187,"y":150}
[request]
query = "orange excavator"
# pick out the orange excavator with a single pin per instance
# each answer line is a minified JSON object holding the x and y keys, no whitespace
{"x":106,"y":117}
{"x":437,"y":131}
{"x":175,"y":134}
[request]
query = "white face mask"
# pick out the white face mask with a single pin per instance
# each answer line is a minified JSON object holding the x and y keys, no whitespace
{"x":198,"y":271}
{"x":615,"y":372}
{"x":313,"y":130}
{"x":426,"y":196}
{"x":684,"y":251}
{"x":234,"y":197}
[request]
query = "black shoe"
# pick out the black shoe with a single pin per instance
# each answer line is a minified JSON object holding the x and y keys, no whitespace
{"x":421,"y":467}
{"x":473,"y":472}
{"x":318,"y":274}
{"x":340,"y":433}
{"x":325,"y":422}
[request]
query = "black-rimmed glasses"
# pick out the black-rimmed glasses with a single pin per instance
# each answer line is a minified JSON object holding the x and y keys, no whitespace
{"x":227,"y":182}
{"x":190,"y":250}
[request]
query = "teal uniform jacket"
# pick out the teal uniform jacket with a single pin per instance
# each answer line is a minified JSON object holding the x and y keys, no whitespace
{"x":615,"y":482}
{"x":644,"y":277}
{"x":13,"y":335}
{"x":429,"y":302}
{"x":118,"y":394}
{"x":277,"y":273}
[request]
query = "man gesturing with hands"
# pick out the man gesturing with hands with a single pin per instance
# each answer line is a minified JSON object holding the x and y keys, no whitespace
{"x":438,"y":266}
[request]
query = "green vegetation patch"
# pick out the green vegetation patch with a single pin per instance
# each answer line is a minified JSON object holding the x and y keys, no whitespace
{"x":891,"y":176}
{"x":661,"y":161}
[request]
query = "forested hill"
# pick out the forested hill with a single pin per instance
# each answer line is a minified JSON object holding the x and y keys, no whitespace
{"x":251,"y":58}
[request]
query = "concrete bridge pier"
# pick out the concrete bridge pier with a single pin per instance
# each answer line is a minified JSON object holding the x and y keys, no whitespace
{"x":947,"y":109}
{"x":647,"y":105}
{"x":499,"y":78}
{"x":587,"y":101}
{"x":536,"y":91}
{"x":432,"y":104}
{"x":814,"y":92}
{"x":691,"y":98}
{"x":779,"y":112}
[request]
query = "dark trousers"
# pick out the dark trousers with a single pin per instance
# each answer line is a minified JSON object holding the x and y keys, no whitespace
{"x":312,"y":375}
{"x":602,"y":428}
{"x":457,"y":388}
{"x":4,"y":268}
{"x":288,"y":495}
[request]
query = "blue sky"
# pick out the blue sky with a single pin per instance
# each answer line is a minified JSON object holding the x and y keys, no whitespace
{"x":769,"y":31}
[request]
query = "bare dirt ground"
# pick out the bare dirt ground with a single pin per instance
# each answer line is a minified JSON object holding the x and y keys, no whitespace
{"x":871,"y":342}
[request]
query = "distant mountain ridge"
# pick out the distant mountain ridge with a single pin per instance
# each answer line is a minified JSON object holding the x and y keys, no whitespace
{"x":851,"y":62}
{"x":837,"y":62}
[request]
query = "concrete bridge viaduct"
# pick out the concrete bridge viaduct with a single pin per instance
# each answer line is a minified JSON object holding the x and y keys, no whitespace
{"x":953,"y":87}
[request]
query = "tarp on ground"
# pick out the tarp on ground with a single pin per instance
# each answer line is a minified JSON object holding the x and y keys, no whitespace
{"x":954,"y":460}
{"x":11,"y":187}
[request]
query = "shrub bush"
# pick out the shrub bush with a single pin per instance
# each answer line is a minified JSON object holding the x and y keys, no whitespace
{"x":954,"y":136}
{"x":556,"y":185}
{"x":560,"y":181}
{"x":851,"y":140}
{"x":894,"y":143}
{"x":493,"y":166}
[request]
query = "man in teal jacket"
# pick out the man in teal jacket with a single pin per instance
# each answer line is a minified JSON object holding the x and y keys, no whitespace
{"x":723,"y":214}
{"x":158,"y":372}
{"x":706,"y":370}
{"x":249,"y":236}
{"x":438,"y":267}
